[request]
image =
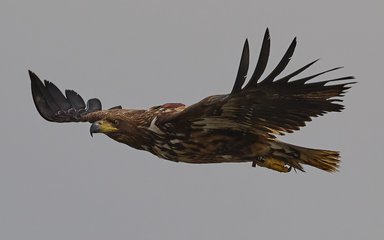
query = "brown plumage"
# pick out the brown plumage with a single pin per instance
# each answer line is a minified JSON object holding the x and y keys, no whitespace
{"x":235,"y":127}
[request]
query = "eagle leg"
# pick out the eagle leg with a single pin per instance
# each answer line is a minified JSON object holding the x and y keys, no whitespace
{"x":273,"y":163}
{"x":259,"y":159}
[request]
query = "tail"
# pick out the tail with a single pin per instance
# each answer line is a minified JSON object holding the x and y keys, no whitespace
{"x":294,"y":156}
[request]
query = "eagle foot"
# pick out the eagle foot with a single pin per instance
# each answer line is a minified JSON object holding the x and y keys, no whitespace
{"x":272,"y":163}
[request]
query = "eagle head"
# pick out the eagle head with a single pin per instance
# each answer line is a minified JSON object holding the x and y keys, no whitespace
{"x":106,"y":126}
{"x":122,"y":126}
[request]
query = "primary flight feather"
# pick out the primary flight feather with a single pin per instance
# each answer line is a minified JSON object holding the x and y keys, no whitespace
{"x":235,"y":127}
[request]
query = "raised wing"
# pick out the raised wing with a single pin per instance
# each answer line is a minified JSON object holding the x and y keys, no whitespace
{"x":266,"y":107}
{"x":55,"y":107}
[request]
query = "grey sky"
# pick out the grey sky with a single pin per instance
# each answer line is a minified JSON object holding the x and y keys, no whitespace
{"x":57,"y":182}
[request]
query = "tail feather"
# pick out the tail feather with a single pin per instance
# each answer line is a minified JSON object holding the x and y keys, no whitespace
{"x":323,"y":159}
{"x":294,"y":156}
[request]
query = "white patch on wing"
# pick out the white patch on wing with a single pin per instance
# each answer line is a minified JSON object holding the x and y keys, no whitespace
{"x":174,"y":141}
{"x":152,"y":127}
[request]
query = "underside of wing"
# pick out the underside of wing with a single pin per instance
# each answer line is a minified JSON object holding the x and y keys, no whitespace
{"x":270,"y":106}
{"x":54,"y":106}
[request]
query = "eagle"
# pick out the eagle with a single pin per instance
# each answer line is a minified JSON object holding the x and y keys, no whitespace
{"x":237,"y":127}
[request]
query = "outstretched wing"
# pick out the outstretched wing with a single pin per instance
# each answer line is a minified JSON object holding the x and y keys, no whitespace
{"x":264,"y":107}
{"x":55,"y":107}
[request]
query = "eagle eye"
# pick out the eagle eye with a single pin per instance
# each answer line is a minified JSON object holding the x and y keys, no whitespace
{"x":115,"y":122}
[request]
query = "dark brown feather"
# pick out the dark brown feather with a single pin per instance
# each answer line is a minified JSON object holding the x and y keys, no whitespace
{"x":262,"y":61}
{"x":243,"y":69}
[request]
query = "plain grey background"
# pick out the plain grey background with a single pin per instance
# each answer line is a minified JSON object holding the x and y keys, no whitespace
{"x":57,"y":182}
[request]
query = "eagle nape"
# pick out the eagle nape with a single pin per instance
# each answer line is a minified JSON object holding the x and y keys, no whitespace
{"x":237,"y":127}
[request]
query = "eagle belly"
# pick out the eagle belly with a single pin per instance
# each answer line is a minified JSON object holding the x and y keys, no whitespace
{"x":208,"y":147}
{"x":180,"y":142}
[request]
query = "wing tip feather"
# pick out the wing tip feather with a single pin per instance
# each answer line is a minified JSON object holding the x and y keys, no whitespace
{"x":53,"y":106}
